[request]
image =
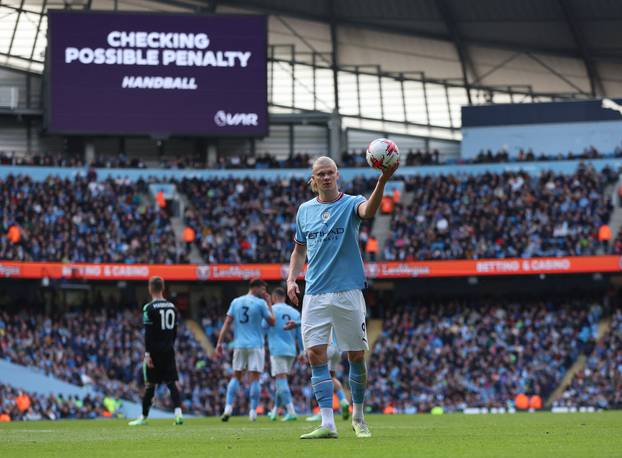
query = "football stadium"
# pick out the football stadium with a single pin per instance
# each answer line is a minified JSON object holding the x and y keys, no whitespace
{"x":289,"y":228}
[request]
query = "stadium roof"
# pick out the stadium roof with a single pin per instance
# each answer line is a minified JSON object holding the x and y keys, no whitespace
{"x":563,"y":27}
{"x":581,"y":35}
{"x":588,"y":30}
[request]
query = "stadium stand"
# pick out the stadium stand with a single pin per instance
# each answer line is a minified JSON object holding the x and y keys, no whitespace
{"x":16,"y":405}
{"x":103,"y":348}
{"x":480,"y":353}
{"x":84,"y":220}
{"x":266,"y":160}
{"x":450,"y":353}
{"x":599,"y":384}
{"x":512,"y":214}
{"x":247,"y":220}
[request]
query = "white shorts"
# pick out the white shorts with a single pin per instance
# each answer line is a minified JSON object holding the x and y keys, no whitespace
{"x":343,"y":313}
{"x":280,"y":365}
{"x":248,"y":359}
{"x":334,"y":358}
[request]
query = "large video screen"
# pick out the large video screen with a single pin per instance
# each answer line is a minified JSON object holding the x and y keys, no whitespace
{"x":130,"y":73}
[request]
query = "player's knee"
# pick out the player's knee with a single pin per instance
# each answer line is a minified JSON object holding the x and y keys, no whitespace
{"x":356,"y":356}
{"x":317,"y":355}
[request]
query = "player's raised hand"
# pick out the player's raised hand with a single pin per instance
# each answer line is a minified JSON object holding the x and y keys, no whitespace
{"x":388,"y":172}
{"x":293,"y":291}
{"x":291,"y":324}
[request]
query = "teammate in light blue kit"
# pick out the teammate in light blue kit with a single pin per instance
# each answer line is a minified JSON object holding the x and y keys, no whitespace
{"x":247,"y":314}
{"x":282,"y":345}
{"x":327,"y":230}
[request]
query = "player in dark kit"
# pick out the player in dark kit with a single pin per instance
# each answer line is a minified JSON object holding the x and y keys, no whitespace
{"x":160,"y":319}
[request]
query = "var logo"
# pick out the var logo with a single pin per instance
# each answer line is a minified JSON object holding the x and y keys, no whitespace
{"x":222,"y":119}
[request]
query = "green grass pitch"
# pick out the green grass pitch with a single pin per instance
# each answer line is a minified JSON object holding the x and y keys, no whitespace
{"x":518,"y":435}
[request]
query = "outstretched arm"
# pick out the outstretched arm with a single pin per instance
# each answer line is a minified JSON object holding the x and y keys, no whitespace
{"x":369,"y":208}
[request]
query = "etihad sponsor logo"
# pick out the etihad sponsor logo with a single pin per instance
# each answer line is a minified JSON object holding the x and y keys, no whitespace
{"x":9,"y":271}
{"x":331,"y":234}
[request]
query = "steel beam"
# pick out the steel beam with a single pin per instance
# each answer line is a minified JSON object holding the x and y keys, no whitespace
{"x":596,"y":85}
{"x":465,"y":61}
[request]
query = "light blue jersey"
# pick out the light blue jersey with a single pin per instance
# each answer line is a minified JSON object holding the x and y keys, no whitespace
{"x":248,"y":312}
{"x":280,"y":341}
{"x":330,"y":230}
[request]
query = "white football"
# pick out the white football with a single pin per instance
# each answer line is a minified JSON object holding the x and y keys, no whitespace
{"x":382,"y":153}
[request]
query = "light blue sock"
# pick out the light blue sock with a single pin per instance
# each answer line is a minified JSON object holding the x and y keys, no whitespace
{"x":283,"y":391}
{"x":277,"y":397}
{"x":254,"y":394}
{"x":322,"y":386}
{"x":232,"y":390}
{"x":358,"y":381}
{"x":341,"y":395}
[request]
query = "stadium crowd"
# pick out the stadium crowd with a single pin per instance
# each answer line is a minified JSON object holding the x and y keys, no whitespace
{"x":459,"y":354}
{"x":238,"y":220}
{"x":16,"y":405}
{"x":451,"y":353}
{"x":501,"y":215}
{"x":104,"y":349}
{"x":599,"y":384}
{"x":245,"y":220}
{"x":84,"y":220}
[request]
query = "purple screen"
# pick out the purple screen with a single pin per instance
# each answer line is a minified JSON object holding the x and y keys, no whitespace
{"x":118,"y":73}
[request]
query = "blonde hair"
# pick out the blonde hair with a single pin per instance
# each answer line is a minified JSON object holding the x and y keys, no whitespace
{"x":322,"y":160}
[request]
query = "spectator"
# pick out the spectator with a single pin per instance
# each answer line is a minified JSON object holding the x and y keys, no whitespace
{"x":371,"y":248}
